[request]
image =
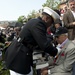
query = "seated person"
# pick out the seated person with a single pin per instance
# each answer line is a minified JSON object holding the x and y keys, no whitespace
{"x":63,"y":62}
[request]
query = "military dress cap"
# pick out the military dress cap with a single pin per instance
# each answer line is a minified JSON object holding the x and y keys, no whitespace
{"x":51,"y":12}
{"x":61,"y":30}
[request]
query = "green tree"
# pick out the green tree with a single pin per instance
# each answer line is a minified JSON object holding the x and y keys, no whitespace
{"x":22,"y":19}
{"x":33,"y":14}
{"x":52,"y":4}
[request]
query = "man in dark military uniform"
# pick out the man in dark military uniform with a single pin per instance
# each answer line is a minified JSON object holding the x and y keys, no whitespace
{"x":34,"y":33}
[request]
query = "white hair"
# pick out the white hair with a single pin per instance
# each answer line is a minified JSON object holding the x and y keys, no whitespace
{"x":65,"y":34}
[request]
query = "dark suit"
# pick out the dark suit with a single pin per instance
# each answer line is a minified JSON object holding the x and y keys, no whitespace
{"x":73,"y":69}
{"x":35,"y":34}
{"x":67,"y":19}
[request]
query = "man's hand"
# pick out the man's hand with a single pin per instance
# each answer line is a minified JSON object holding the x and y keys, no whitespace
{"x":73,"y":23}
{"x":44,"y":72}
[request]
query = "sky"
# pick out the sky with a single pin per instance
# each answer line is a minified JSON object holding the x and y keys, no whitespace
{"x":12,"y":9}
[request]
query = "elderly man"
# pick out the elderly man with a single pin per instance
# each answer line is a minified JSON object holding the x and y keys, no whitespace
{"x":63,"y":63}
{"x":34,"y":33}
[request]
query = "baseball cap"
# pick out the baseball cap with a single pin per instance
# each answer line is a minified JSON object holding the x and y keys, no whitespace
{"x":51,"y":12}
{"x":61,"y":30}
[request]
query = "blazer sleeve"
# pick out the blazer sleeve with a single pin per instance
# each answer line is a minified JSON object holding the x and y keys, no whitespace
{"x":38,"y":32}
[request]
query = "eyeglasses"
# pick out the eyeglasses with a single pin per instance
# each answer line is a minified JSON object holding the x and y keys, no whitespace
{"x":56,"y":36}
{"x":60,"y":35}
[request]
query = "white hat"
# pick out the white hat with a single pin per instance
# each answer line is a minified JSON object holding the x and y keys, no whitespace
{"x":51,"y":12}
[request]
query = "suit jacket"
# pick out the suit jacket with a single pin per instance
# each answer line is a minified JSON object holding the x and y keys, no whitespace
{"x":67,"y":19}
{"x":73,"y":69}
{"x":65,"y":60}
{"x":34,"y":33}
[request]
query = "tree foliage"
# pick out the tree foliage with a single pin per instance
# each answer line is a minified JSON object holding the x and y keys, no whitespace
{"x":33,"y":14}
{"x":52,"y":4}
{"x":22,"y":19}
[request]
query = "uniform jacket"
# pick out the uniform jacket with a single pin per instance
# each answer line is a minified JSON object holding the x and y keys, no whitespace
{"x":65,"y":60}
{"x":67,"y":19}
{"x":34,"y":33}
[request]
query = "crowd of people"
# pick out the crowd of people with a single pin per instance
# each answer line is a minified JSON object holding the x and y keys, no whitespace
{"x":48,"y":34}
